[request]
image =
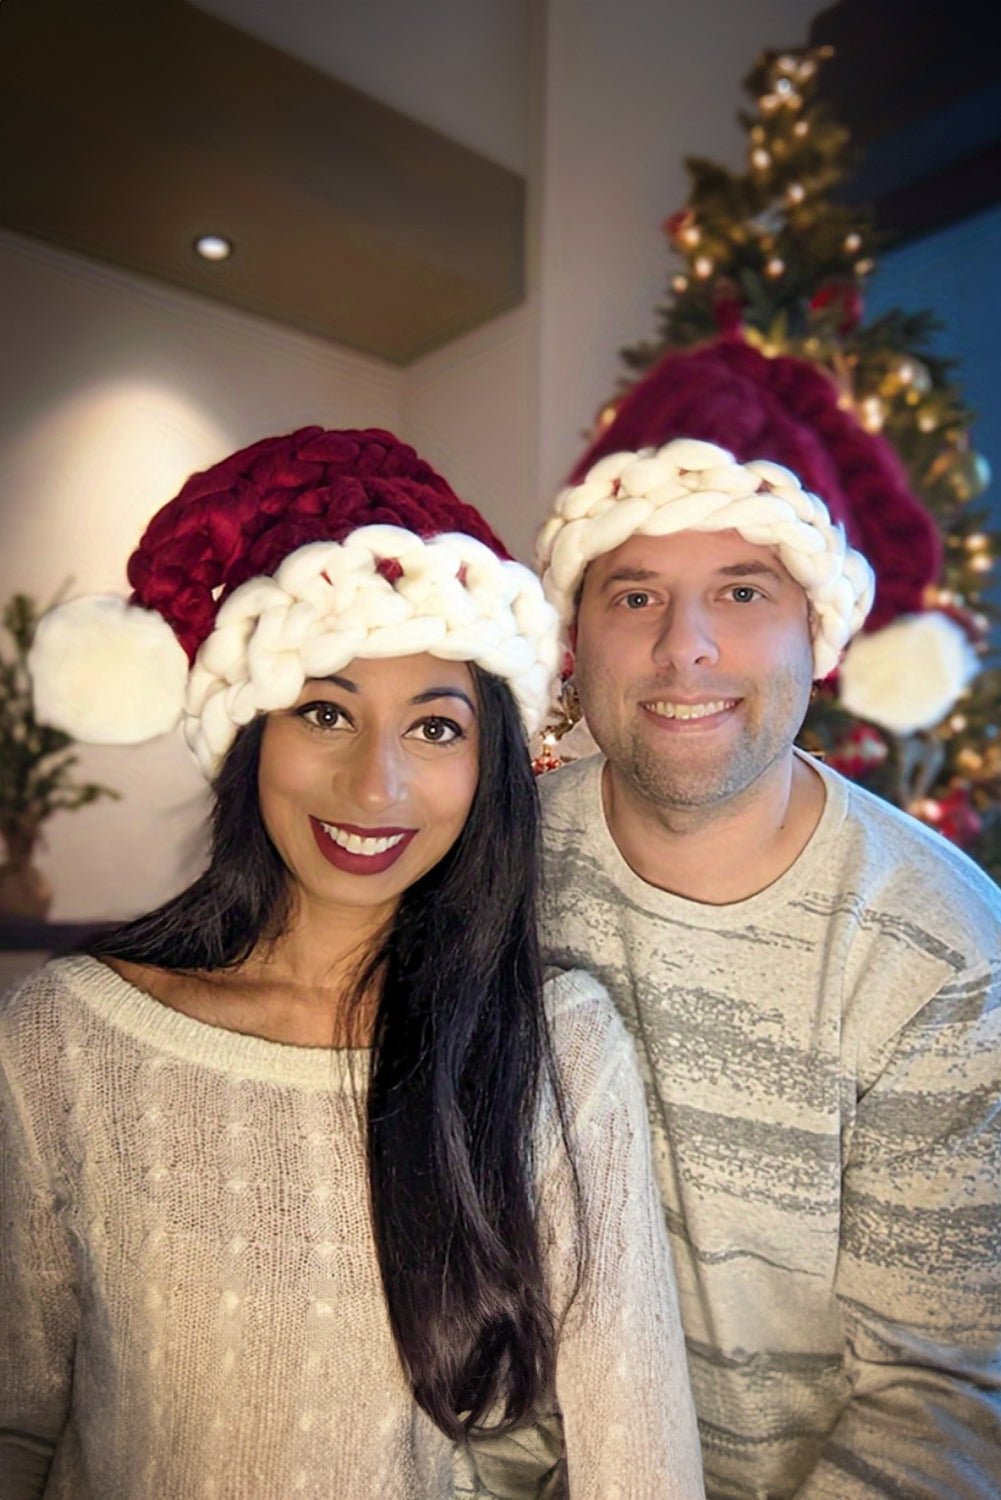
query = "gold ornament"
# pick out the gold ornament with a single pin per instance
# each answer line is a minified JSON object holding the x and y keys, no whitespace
{"x":969,"y":760}
{"x":795,"y":192}
{"x":760,"y":159}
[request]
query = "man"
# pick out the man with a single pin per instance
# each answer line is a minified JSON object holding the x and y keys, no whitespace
{"x":812,"y":979}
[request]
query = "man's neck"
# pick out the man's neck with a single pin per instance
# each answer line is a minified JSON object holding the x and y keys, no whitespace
{"x":717,"y":855}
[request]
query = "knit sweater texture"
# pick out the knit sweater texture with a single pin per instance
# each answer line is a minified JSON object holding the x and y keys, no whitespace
{"x":190,"y":1301}
{"x":823,"y":1073}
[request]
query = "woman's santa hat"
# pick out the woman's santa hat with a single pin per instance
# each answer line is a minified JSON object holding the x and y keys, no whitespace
{"x":285,"y":562}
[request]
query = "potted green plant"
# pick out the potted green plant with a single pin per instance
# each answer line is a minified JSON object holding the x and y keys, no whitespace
{"x":35,"y":770}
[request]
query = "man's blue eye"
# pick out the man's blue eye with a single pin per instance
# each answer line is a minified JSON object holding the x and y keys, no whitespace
{"x":637,"y":599}
{"x":744,"y":593}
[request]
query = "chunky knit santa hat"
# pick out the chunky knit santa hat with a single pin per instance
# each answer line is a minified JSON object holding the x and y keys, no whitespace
{"x":906,"y":669}
{"x":284,"y":562}
{"x":694,"y":486}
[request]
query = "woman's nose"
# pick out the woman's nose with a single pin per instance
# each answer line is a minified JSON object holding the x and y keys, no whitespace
{"x":376,"y":776}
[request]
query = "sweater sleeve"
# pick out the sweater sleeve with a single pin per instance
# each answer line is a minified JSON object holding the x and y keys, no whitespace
{"x":621,"y":1376}
{"x":38,"y":1303}
{"x":919,"y":1278}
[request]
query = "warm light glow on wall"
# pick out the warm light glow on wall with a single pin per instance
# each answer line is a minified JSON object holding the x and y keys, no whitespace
{"x":84,"y":478}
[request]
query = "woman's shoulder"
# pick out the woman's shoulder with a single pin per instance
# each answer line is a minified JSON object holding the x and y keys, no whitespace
{"x":43,"y":987}
{"x":39,"y":1013}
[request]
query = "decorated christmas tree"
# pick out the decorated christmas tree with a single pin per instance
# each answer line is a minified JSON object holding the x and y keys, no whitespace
{"x":763,"y":347}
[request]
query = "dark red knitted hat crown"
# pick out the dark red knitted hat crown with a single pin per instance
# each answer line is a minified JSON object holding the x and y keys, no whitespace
{"x":243,"y":516}
{"x":786,"y":410}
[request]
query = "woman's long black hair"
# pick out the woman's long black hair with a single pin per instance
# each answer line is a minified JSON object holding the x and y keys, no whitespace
{"x":459,"y":1056}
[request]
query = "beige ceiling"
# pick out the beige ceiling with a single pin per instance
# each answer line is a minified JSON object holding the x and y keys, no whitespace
{"x":133,"y":126}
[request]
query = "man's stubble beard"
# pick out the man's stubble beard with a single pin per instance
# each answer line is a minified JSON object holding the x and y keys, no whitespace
{"x":665,"y":780}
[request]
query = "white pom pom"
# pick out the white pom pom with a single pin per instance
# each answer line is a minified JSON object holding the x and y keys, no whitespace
{"x":107,"y":673}
{"x":907,"y":676}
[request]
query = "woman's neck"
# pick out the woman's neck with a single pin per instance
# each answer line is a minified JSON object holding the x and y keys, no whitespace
{"x":302,"y":988}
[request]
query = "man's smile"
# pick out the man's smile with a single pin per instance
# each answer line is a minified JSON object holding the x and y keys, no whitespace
{"x":665,"y":709}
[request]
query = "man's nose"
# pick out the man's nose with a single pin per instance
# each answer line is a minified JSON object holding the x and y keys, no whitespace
{"x":686,"y":637}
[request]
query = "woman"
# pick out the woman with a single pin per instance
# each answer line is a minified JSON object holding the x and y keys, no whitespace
{"x":309,"y":1188}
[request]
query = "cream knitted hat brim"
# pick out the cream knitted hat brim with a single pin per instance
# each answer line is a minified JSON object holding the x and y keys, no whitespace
{"x":694,"y":486}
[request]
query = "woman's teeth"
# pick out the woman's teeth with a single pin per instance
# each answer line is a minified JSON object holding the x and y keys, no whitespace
{"x":355,"y":844}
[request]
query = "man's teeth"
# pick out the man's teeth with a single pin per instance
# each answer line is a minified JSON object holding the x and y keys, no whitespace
{"x":691,"y":710}
{"x":355,"y":844}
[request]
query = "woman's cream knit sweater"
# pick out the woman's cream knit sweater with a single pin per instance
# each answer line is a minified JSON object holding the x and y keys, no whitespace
{"x":190,"y":1303}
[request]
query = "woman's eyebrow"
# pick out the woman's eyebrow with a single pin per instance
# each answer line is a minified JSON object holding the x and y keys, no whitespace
{"x":426,"y":696}
{"x":429,"y":694}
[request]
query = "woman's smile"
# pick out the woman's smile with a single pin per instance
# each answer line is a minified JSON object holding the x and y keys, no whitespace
{"x":360,"y":851}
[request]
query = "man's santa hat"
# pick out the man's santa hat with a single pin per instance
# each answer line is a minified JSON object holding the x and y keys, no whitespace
{"x":763,"y":439}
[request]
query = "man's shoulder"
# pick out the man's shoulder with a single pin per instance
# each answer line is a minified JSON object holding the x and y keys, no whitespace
{"x":563,"y":790}
{"x":913,"y":863}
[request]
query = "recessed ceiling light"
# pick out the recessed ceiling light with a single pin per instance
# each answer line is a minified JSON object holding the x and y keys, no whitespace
{"x":213,"y":247}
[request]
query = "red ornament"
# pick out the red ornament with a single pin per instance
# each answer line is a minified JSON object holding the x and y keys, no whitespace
{"x":728,"y":308}
{"x":954,"y":816}
{"x":859,"y":752}
{"x":844,"y":300}
{"x":683,"y":219}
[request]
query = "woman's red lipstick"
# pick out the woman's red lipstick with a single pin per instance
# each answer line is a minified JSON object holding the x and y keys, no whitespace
{"x":360,"y":860}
